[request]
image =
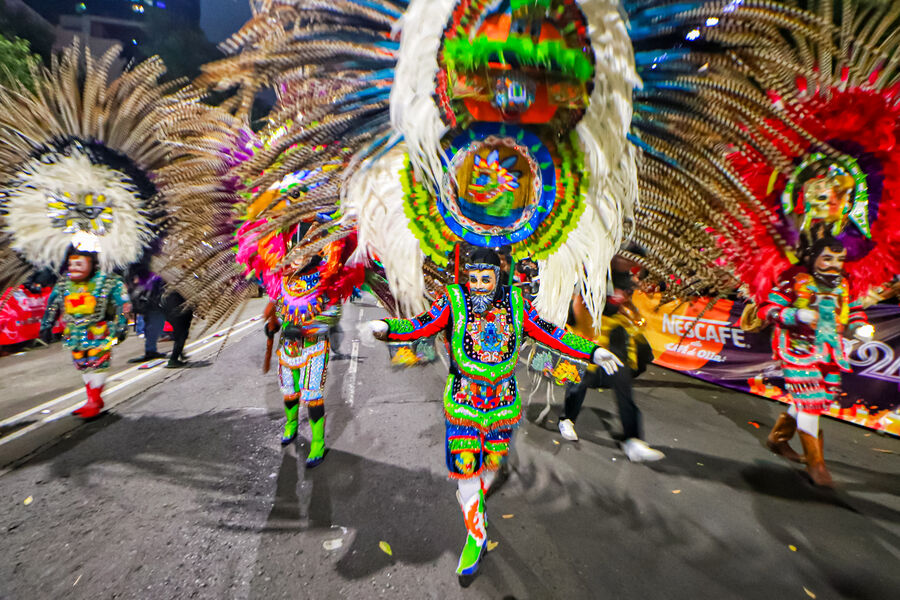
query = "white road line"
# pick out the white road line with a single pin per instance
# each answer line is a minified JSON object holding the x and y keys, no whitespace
{"x":350,"y":381}
{"x":243,"y":325}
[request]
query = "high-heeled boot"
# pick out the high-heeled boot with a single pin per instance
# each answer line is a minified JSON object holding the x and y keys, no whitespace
{"x":290,"y":424}
{"x":317,"y":443}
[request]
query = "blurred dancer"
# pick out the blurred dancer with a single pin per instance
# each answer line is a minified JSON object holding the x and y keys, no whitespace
{"x":92,"y":305}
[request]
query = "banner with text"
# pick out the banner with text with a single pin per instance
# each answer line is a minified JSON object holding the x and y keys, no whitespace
{"x":717,"y":350}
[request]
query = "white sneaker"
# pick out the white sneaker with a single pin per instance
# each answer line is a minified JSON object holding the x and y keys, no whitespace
{"x":638,"y":451}
{"x":567,"y":430}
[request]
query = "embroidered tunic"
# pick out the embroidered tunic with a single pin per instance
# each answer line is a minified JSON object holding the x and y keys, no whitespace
{"x":481,"y":389}
{"x":812,"y":357}
{"x":92,"y":313}
{"x":305,"y":318}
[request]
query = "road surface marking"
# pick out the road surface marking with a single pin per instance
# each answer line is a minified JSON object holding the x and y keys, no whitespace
{"x":67,"y":411}
{"x":350,"y":380}
{"x":41,"y":407}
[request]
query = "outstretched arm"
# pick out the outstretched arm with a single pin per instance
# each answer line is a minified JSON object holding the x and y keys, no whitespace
{"x":554,"y":337}
{"x":778,"y":308}
{"x":567,"y":343}
{"x":427,"y":324}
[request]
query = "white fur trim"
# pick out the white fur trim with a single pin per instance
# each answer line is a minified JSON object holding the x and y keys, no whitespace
{"x":29,"y":221}
{"x":612,"y":190}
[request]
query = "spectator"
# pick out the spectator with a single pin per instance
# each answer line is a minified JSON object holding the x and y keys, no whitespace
{"x":146,"y":297}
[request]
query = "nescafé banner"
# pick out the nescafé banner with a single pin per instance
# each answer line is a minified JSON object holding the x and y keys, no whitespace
{"x":717,"y":350}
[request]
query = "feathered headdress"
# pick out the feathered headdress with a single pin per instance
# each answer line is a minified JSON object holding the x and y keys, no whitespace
{"x":815,"y":153}
{"x":112,"y":159}
{"x":521,"y":123}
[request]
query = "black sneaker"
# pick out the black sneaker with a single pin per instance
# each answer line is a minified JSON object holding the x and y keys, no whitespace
{"x":147,"y":357}
{"x":174,"y":363}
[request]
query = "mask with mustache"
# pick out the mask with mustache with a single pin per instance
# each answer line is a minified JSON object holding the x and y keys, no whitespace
{"x":481,"y":291}
{"x":481,"y":301}
{"x":829,"y":279}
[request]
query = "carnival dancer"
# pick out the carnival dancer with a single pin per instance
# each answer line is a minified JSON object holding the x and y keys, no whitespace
{"x":92,"y":305}
{"x":811,"y":310}
{"x":305,"y":306}
{"x":485,"y":323}
{"x":303,"y":352}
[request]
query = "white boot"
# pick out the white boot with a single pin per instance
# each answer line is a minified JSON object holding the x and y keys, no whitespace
{"x":567,"y":430}
{"x":637,"y":450}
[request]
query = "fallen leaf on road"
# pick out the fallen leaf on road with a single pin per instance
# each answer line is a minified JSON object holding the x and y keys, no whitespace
{"x":386,"y":548}
{"x":492,"y":545}
{"x":333,"y":544}
{"x":28,"y":500}
{"x":699,"y":464}
{"x":676,"y":491}
{"x":883,"y":451}
{"x":793,"y":548}
{"x":809,"y":593}
{"x":754,"y":423}
{"x":556,"y":442}
{"x":510,"y":516}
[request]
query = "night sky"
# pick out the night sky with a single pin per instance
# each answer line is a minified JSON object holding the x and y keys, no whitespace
{"x":221,"y":18}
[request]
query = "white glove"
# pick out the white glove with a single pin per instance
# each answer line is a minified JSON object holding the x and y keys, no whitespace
{"x":606,"y":360}
{"x":864,"y":333}
{"x":807,"y":316}
{"x":379,"y":329}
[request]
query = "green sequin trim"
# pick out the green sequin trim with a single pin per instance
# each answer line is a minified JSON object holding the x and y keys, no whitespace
{"x":576,"y":342}
{"x":554,"y":230}
{"x":465,"y":445}
{"x":470,"y":55}
{"x":400,"y":325}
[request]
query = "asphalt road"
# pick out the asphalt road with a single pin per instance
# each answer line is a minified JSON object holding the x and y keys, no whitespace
{"x":183,"y":491}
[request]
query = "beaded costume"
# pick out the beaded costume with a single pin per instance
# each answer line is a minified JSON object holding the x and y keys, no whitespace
{"x":93,"y":317}
{"x":813,"y":358}
{"x":305,"y":301}
{"x":532,"y":124}
{"x":481,"y":398}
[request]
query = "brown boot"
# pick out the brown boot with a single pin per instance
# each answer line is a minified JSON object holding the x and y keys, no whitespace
{"x":815,"y":460}
{"x":781,"y":433}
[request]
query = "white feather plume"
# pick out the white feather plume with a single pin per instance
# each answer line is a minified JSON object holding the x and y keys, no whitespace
{"x":414,"y":113}
{"x":583,"y":261}
{"x":374,"y":201}
{"x":30,"y":224}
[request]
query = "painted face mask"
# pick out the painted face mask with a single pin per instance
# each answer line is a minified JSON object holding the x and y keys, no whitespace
{"x":79,"y":267}
{"x":829,"y":267}
{"x":482,"y":286}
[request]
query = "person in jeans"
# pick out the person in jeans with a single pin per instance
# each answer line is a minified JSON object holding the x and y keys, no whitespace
{"x":619,"y":334}
{"x":146,"y":294}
